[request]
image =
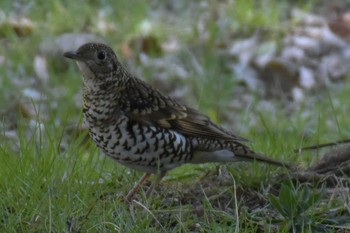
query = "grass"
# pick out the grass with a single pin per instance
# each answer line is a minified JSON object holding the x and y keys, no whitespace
{"x":52,"y":179}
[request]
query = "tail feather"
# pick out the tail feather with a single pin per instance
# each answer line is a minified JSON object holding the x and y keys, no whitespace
{"x":229,"y":156}
{"x":265,"y":159}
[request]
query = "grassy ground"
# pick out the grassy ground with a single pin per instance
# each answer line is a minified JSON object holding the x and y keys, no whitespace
{"x":52,"y":179}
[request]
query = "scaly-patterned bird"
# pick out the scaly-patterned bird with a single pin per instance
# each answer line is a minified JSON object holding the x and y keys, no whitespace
{"x":139,"y":127}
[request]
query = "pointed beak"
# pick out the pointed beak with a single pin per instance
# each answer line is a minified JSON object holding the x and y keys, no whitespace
{"x":72,"y":55}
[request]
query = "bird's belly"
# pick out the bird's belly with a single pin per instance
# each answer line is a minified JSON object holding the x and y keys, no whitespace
{"x":141,"y":147}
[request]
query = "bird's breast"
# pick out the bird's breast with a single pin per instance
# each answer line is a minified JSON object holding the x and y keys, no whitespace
{"x":142,"y":147}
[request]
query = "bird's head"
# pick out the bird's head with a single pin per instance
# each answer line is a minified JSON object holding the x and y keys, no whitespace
{"x":97,"y":62}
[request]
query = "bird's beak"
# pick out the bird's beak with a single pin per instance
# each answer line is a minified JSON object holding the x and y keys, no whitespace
{"x":72,"y":55}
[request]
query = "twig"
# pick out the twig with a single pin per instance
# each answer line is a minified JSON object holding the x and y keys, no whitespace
{"x":314,"y":147}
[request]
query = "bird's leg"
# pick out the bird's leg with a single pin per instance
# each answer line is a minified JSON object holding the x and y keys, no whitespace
{"x":155,"y":184}
{"x":137,"y":187}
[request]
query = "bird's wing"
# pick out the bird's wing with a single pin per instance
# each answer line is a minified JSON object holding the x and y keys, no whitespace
{"x":146,"y":105}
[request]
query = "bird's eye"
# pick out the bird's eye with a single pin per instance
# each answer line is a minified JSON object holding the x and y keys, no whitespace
{"x":101,"y":55}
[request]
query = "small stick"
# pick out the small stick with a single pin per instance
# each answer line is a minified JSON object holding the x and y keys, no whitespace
{"x":314,"y":147}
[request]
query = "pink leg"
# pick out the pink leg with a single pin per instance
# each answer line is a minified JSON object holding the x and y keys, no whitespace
{"x":154,"y":184}
{"x":137,"y":187}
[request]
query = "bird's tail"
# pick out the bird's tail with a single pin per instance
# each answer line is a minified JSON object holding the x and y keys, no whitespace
{"x":251,"y":156}
{"x":230,"y":156}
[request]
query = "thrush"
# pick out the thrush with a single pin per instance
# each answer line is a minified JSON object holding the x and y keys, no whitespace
{"x":139,"y":127}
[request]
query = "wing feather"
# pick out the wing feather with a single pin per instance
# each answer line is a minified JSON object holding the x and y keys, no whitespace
{"x":146,"y":105}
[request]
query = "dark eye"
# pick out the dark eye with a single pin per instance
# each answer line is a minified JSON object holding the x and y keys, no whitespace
{"x":101,"y":55}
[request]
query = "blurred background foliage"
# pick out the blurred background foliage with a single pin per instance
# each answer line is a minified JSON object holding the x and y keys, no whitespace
{"x":273,"y":71}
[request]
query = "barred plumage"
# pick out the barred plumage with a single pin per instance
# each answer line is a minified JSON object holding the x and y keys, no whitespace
{"x":143,"y":129}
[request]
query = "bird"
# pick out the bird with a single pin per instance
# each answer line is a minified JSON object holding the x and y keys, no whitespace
{"x":136,"y":125}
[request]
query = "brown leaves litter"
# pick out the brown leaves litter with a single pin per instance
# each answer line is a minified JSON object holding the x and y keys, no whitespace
{"x":335,"y":161}
{"x":21,"y":26}
{"x":218,"y":194}
{"x":331,"y":169}
{"x":149,"y":45}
